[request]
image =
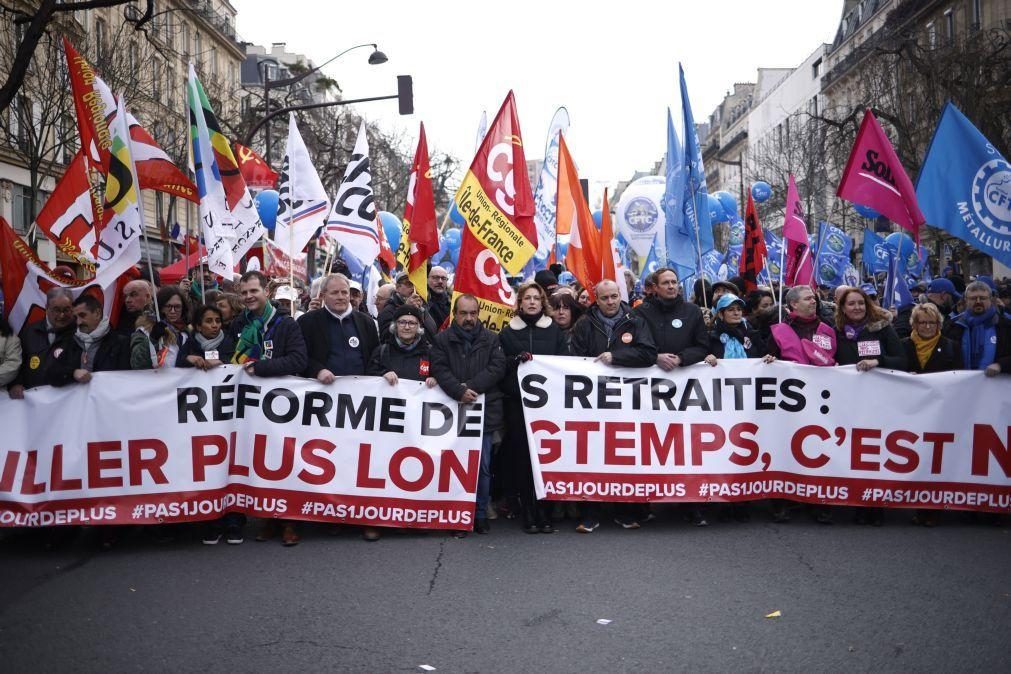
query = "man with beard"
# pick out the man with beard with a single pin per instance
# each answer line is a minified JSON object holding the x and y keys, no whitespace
{"x":438,"y":295}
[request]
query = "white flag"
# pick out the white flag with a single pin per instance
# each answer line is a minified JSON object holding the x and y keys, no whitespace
{"x":352,"y":221}
{"x":546,"y":192}
{"x":303,"y":203}
{"x":119,"y":238}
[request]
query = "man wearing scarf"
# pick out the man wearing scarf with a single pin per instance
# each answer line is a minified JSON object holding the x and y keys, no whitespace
{"x":677,"y":327}
{"x":92,"y":348}
{"x":267,"y":343}
{"x":982,"y":333}
{"x":467,"y":361}
{"x":339,"y":340}
{"x":40,"y":339}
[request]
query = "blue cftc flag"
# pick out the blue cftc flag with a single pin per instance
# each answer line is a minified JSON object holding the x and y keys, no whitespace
{"x":875,"y":253}
{"x":833,"y":255}
{"x":964,"y":186}
{"x":678,"y":246}
{"x":896,"y":293}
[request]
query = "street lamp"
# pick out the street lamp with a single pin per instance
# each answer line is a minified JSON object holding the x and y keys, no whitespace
{"x":375,"y":58}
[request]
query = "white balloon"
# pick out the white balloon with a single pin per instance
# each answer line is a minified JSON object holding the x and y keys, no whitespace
{"x":640,"y":213}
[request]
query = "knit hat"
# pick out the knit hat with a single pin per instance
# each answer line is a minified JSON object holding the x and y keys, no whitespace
{"x":409,"y":310}
{"x":545,"y":278}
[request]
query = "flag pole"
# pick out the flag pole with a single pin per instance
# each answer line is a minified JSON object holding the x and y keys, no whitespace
{"x":698,"y":248}
{"x":291,"y":224}
{"x":782,"y":264}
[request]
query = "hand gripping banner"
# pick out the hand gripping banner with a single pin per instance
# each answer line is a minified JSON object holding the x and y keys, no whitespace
{"x":180,"y":445}
{"x":744,"y":430}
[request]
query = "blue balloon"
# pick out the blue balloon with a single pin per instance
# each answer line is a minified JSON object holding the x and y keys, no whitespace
{"x":449,"y":267}
{"x":728,"y":202}
{"x":906,"y":248}
{"x":716,"y":212}
{"x":761,"y":191}
{"x":453,"y":239}
{"x":866,"y":212}
{"x":598,"y":218}
{"x":562,"y":249}
{"x":454,"y":256}
{"x":391,"y":228}
{"x":266,"y":207}
{"x":456,"y":216}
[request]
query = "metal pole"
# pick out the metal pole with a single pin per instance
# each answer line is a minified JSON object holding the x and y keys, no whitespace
{"x":266,"y":111}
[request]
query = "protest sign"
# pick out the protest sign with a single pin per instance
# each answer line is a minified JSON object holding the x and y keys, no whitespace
{"x":746,"y":430}
{"x":179,"y":445}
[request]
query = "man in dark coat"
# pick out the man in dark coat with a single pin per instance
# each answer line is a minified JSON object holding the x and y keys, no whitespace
{"x":339,"y":340}
{"x":612,"y":333}
{"x":94,"y":347}
{"x":138,"y":298}
{"x":438,"y":295}
{"x":40,"y":339}
{"x":677,"y":327}
{"x":467,"y":360}
{"x":981,"y":332}
{"x":267,"y":342}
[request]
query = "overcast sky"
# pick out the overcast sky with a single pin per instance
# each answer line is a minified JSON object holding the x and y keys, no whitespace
{"x":612,"y":65}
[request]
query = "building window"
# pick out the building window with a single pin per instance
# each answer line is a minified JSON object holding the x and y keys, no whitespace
{"x":156,"y":81}
{"x":931,"y":35}
{"x":214,"y":63}
{"x":170,"y":88}
{"x":101,"y":37}
{"x":949,"y":26}
{"x":816,"y":69}
{"x":184,"y":39}
{"x":977,"y":15}
{"x":22,"y":208}
{"x":198,"y":50}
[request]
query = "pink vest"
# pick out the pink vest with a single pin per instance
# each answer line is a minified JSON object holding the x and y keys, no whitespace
{"x":806,"y":351}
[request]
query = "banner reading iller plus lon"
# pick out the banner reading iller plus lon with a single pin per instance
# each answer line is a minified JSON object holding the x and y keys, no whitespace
{"x":745,"y":430}
{"x":183,"y":445}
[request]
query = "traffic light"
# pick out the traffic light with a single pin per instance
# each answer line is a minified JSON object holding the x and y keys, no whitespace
{"x":405,"y":94}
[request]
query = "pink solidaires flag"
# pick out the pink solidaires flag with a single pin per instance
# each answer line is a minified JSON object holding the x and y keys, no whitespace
{"x":799,"y":266}
{"x":874,"y":177}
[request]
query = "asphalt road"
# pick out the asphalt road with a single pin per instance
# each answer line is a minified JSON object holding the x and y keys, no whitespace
{"x":898,"y":598}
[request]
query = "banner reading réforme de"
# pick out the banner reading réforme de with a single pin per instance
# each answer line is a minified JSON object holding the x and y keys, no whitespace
{"x":182,"y":445}
{"x":745,"y":430}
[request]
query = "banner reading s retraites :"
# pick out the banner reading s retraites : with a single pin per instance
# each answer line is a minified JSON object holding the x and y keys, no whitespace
{"x":183,"y":445}
{"x":744,"y":430}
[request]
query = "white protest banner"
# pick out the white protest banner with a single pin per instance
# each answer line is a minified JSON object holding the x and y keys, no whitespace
{"x":744,"y":430}
{"x":179,"y":445}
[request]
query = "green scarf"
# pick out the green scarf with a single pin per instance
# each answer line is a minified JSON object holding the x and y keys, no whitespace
{"x":250,"y":346}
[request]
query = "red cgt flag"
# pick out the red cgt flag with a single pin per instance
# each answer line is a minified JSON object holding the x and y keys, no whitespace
{"x":255,"y":171}
{"x":754,"y":253}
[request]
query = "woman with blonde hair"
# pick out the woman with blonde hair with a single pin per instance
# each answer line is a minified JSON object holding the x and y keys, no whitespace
{"x":530,"y":332}
{"x":927,"y":350}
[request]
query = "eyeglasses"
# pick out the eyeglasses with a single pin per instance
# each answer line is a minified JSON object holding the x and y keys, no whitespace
{"x":439,"y":278}
{"x":407,"y":324}
{"x":173,"y":307}
{"x":927,"y":324}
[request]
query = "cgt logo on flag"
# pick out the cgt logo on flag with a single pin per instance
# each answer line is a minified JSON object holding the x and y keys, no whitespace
{"x":991,"y":196}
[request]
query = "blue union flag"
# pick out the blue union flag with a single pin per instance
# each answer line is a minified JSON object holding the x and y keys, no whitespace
{"x":965,"y":186}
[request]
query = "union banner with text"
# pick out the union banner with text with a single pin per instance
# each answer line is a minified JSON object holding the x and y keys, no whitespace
{"x":181,"y":445}
{"x":745,"y":430}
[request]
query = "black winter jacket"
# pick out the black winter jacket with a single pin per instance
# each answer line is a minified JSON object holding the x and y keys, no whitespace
{"x":947,"y":356}
{"x":889,"y":349}
{"x":754,"y":345}
{"x":438,"y":307}
{"x":637,"y":349}
{"x":481,"y":370}
{"x":192,"y":348}
{"x":315,"y":331}
{"x":677,"y":328}
{"x":113,"y":354}
{"x":385,"y":319}
{"x":37,"y":352}
{"x":415,"y":364}
{"x":545,"y":338}
{"x":288,"y":356}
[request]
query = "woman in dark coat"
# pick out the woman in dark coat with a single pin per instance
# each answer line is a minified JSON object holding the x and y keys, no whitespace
{"x":864,"y":334}
{"x":209,"y":345}
{"x":732,"y":336}
{"x":927,"y":350}
{"x":405,"y":356}
{"x":530,"y":332}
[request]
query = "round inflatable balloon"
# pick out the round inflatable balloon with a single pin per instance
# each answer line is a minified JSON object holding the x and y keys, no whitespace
{"x":901,"y":242}
{"x":729,"y":204}
{"x":453,"y":238}
{"x":456,"y":216}
{"x":449,"y":267}
{"x":716,"y":212}
{"x":391,"y":228}
{"x":639,"y":213}
{"x":761,"y":191}
{"x":266,"y":207}
{"x":866,"y":212}
{"x":598,"y":218}
{"x":454,"y":256}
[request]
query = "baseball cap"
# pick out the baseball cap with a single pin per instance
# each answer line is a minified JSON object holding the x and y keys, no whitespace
{"x":943,"y":285}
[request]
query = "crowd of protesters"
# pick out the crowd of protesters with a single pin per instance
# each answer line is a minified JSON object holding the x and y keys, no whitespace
{"x":327,"y":331}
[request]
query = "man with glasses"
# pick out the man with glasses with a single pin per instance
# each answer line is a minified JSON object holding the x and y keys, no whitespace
{"x":982,"y":333}
{"x":438,"y":295}
{"x":94,"y":347}
{"x":39,"y":341}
